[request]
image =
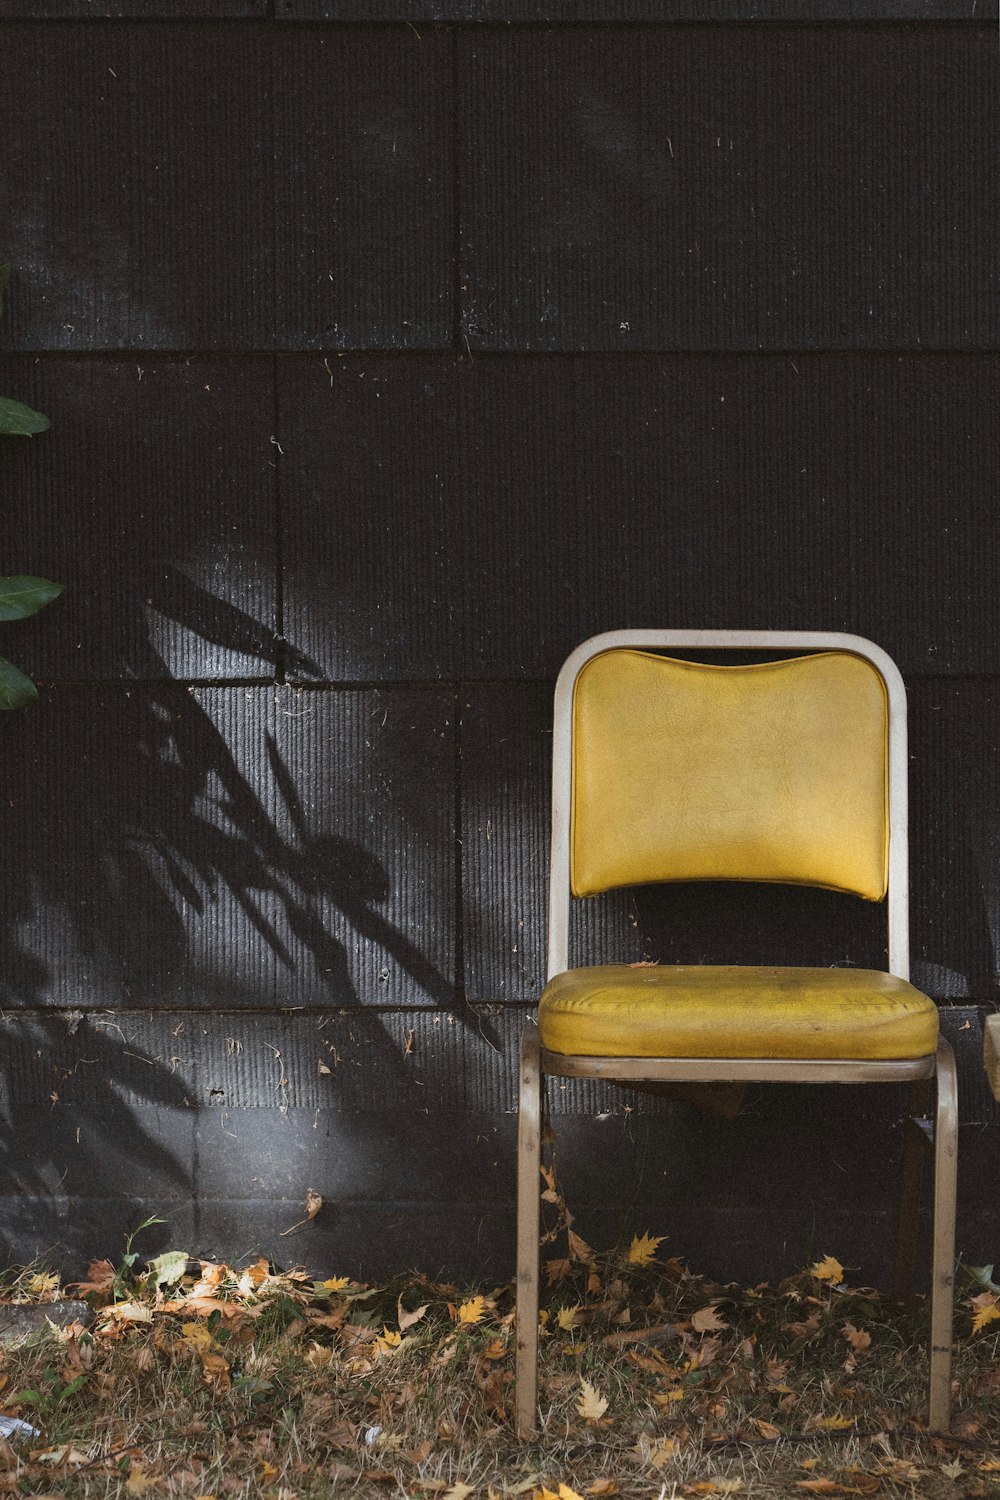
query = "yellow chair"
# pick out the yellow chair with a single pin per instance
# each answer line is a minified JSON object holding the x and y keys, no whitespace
{"x":789,"y":771}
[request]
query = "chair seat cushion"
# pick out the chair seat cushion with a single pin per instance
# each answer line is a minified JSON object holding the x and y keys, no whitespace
{"x":617,"y":1010}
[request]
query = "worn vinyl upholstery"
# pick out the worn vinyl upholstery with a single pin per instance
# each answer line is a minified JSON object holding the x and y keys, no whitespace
{"x":792,"y":787}
{"x":618,"y":1010}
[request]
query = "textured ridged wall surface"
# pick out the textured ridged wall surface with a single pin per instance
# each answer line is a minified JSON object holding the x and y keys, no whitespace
{"x":391,"y":349}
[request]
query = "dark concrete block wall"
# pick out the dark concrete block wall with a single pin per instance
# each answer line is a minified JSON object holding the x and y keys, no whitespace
{"x":391,"y":349}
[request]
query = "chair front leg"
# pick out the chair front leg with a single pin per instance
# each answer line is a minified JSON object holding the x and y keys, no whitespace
{"x":529,"y":1161}
{"x":943,"y":1270}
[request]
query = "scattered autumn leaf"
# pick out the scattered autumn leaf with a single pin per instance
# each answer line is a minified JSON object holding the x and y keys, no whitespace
{"x":407,"y":1319}
{"x":333,"y":1284}
{"x":591,"y":1405}
{"x":828,"y":1269}
{"x":472,"y":1311}
{"x":642,"y":1251}
{"x":140,"y":1480}
{"x":858,"y":1338}
{"x":707,"y":1320}
{"x":768,"y":1430}
{"x":568,"y":1317}
{"x":987,"y":1310}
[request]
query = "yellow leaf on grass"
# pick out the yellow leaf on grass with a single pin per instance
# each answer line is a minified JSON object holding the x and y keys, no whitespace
{"x":827,"y":1269}
{"x":567,"y":1318}
{"x":318,"y":1356}
{"x":565,"y":1493}
{"x":667,"y":1398}
{"x":835,"y":1423}
{"x":707,"y":1320}
{"x":987,"y":1314}
{"x":818,"y":1486}
{"x":591,"y":1405}
{"x":139,"y":1481}
{"x":642,"y":1252}
{"x":197,"y":1337}
{"x":602,"y":1487}
{"x":768,"y":1430}
{"x":663,"y":1453}
{"x":472,"y":1311}
{"x":332,"y":1284}
{"x":458,"y":1491}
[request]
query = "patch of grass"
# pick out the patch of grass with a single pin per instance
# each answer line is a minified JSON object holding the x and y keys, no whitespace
{"x":253,"y":1381}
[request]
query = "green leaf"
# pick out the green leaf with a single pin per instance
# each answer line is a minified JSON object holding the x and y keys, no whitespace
{"x":21,"y":595}
{"x":4,"y":278}
{"x":18,"y":420}
{"x":983,"y":1276}
{"x":168,"y":1268}
{"x":16,"y":690}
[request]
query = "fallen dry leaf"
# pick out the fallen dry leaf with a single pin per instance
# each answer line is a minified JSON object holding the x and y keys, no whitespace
{"x":602,"y":1487}
{"x":642,"y":1251}
{"x":472,"y":1311}
{"x":140,"y":1480}
{"x":858,"y":1338}
{"x":768,"y":1430}
{"x":591,"y":1405}
{"x":828,"y":1269}
{"x":707,"y":1320}
{"x":568,"y":1317}
{"x":407,"y":1319}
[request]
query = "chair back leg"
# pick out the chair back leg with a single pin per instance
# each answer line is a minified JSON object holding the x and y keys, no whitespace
{"x":914,"y":1152}
{"x":943,"y":1270}
{"x":529,"y":1161}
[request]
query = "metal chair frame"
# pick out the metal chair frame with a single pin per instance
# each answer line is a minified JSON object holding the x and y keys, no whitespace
{"x":536,"y":1062}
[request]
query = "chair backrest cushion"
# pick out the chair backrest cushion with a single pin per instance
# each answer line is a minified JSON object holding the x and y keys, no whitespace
{"x":774,"y":771}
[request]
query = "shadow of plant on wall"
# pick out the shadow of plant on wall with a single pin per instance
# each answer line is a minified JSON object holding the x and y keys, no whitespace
{"x":208,"y":849}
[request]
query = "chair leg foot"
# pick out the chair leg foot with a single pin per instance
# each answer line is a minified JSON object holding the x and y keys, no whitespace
{"x":943,"y":1270}
{"x":529,"y":1160}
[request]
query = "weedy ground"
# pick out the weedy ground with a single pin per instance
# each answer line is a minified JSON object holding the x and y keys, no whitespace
{"x":203,"y":1380}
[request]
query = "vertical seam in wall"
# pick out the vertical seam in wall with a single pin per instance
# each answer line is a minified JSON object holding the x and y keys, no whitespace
{"x":280,"y":654}
{"x":460,"y":996}
{"x":456,"y":192}
{"x":457,"y":345}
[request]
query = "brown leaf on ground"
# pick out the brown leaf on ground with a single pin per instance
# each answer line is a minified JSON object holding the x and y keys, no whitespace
{"x":858,"y":1338}
{"x":804,"y":1330}
{"x":707,"y":1320}
{"x":101,"y":1276}
{"x":407,"y":1319}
